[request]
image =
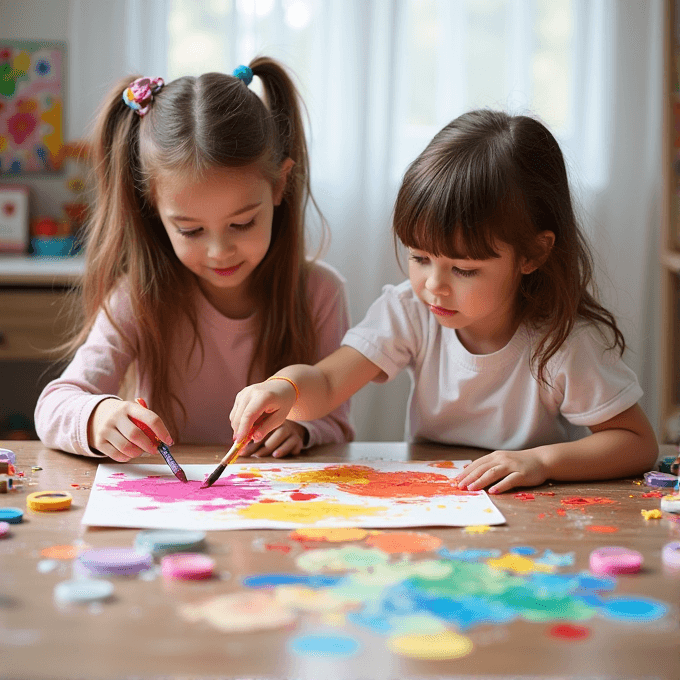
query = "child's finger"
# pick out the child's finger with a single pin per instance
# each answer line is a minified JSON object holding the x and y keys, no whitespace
{"x":151,"y":424}
{"x":510,"y":482}
{"x":120,"y":448}
{"x":490,"y":475}
{"x":292,"y":445}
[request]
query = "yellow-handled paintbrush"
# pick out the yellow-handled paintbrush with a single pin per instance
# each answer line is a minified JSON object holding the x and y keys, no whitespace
{"x":231,"y":455}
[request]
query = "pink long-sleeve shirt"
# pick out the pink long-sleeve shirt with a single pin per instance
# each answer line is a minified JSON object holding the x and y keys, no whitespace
{"x":207,"y":385}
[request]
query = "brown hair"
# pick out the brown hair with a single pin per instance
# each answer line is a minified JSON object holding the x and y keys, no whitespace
{"x":194,"y":125}
{"x":487,"y":177}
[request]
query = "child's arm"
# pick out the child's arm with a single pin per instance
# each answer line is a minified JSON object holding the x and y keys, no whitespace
{"x":322,"y":387}
{"x":622,"y":446}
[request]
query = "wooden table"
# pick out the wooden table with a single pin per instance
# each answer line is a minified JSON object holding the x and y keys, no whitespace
{"x":139,"y":633}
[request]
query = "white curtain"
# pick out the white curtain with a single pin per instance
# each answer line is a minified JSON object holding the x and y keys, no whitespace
{"x":380,"y":77}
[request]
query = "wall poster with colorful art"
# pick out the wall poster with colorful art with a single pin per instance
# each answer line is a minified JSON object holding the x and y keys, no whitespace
{"x":31,"y":106}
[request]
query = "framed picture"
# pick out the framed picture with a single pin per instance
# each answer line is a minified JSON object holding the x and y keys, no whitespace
{"x":31,"y":106}
{"x":13,"y":218}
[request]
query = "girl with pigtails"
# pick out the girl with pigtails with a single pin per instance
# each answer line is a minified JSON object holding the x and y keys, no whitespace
{"x":197,"y":281}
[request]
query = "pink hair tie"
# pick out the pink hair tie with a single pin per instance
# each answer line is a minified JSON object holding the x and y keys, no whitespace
{"x":138,"y":95}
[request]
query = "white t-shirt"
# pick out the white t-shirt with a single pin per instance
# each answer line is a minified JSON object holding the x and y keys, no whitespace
{"x":491,"y":401}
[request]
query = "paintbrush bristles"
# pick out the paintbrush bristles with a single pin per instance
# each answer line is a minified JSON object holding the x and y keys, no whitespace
{"x":217,"y":472}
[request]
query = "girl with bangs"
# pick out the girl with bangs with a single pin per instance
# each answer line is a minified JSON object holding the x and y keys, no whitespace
{"x":196,"y":280}
{"x":507,"y":347}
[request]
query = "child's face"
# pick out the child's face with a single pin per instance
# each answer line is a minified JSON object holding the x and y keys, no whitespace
{"x":220,"y":228}
{"x":476,"y":297}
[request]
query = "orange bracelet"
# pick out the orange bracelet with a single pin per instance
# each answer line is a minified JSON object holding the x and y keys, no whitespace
{"x":288,"y":380}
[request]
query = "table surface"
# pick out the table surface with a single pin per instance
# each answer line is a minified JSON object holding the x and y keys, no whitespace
{"x":139,"y":633}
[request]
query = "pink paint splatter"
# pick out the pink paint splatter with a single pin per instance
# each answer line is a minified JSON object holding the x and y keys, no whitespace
{"x":159,"y":489}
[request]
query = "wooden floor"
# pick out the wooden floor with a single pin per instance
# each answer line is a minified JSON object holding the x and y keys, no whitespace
{"x":139,"y":633}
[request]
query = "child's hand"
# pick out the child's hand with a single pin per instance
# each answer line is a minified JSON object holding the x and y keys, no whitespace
{"x":284,"y":440}
{"x":513,"y":468}
{"x":273,"y":397}
{"x":111,"y":432}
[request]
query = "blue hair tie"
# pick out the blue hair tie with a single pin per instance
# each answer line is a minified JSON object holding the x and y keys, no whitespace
{"x":244,"y":73}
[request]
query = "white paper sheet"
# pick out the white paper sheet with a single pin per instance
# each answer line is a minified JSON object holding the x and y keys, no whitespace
{"x":287,"y":495}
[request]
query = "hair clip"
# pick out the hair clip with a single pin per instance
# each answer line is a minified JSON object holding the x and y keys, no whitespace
{"x":244,"y":73}
{"x":138,"y":95}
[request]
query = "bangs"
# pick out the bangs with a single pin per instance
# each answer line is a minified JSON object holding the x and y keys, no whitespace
{"x":459,"y":204}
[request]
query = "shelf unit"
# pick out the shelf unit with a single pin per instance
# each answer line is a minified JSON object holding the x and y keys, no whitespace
{"x":669,"y":366}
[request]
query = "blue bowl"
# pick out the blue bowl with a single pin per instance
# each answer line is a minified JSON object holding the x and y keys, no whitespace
{"x":52,"y":246}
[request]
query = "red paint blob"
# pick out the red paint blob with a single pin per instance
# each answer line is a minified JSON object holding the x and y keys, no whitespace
{"x":523,"y":496}
{"x":279,"y":547}
{"x":561,"y":512}
{"x":568,"y":631}
{"x":587,"y":500}
{"x":602,"y":529}
{"x":299,"y":496}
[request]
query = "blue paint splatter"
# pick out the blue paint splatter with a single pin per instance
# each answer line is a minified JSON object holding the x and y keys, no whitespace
{"x":633,"y":609}
{"x":336,"y":646}
{"x":523,"y":550}
{"x":273,"y":580}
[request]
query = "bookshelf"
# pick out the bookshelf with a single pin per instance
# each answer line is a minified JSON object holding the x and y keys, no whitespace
{"x":669,"y":368}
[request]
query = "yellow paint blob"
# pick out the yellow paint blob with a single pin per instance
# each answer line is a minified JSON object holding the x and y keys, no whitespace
{"x":519,"y":564}
{"x":53,"y":140}
{"x":22,"y":62}
{"x":306,"y":599}
{"x":332,"y":475}
{"x":651,"y":514}
{"x":437,"y":646}
{"x":481,"y":529}
{"x":308,"y":512}
{"x":331,"y":535}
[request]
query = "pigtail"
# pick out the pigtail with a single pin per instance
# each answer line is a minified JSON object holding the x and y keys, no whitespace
{"x":287,"y":332}
{"x":126,"y":243}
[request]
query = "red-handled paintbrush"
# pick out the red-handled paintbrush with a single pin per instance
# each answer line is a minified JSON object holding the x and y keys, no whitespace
{"x":162,"y":448}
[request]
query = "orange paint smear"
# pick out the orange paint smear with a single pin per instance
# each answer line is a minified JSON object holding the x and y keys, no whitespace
{"x":561,"y":512}
{"x":523,"y":496}
{"x":60,"y":552}
{"x":443,"y":464}
{"x":404,"y":542}
{"x":602,"y":529}
{"x":248,"y":475}
{"x":587,"y":500}
{"x":652,"y":494}
{"x":361,"y":480}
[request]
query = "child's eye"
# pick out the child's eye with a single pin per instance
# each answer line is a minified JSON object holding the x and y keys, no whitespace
{"x":419,"y":259}
{"x":465,"y":272}
{"x":244,"y":227}
{"x":190,"y":233}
